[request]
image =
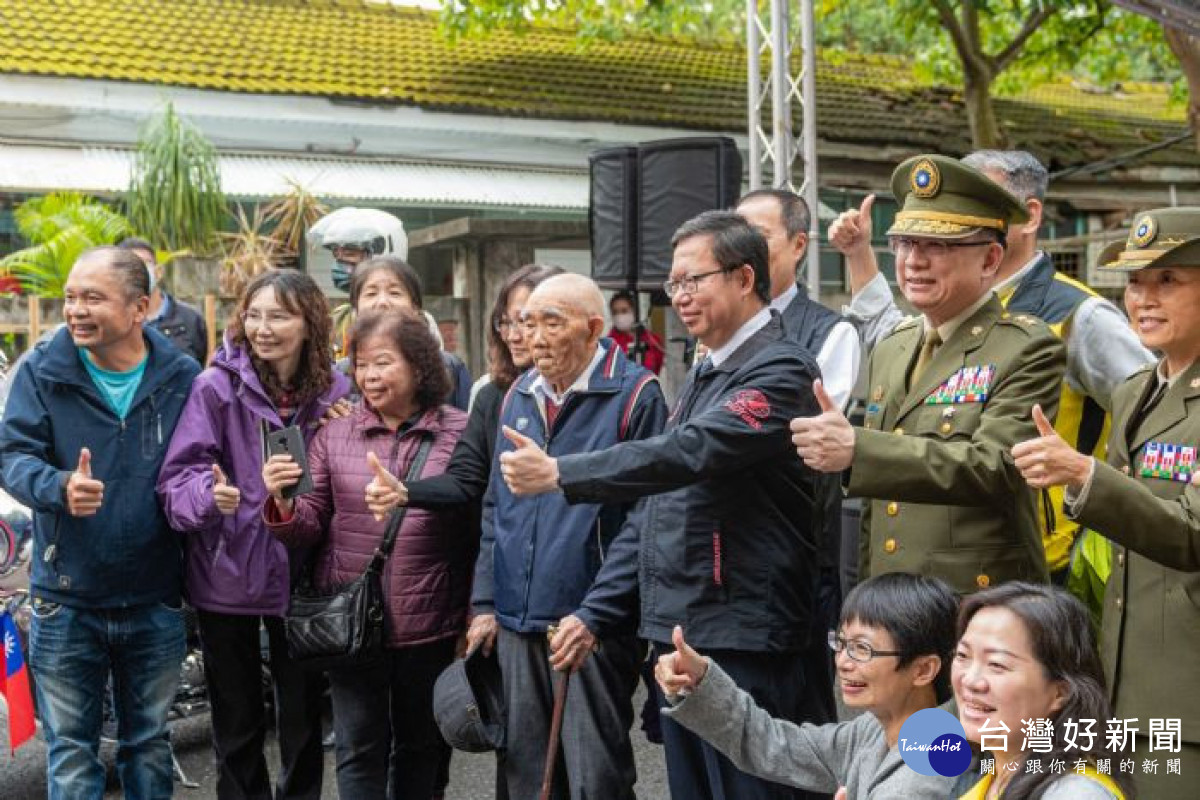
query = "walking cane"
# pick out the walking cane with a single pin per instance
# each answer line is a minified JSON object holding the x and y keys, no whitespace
{"x":560,"y":702}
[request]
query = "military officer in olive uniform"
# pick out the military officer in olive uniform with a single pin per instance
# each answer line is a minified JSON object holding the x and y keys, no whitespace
{"x":1146,"y":498}
{"x":950,"y":393}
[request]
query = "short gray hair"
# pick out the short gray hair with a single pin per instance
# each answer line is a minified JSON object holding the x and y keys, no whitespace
{"x":1024,"y":175}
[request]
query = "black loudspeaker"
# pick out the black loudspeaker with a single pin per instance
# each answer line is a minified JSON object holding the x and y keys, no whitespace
{"x":678,"y":179}
{"x":641,"y":195}
{"x":612,"y":216}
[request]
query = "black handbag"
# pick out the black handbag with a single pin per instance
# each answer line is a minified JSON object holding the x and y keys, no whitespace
{"x":347,"y":626}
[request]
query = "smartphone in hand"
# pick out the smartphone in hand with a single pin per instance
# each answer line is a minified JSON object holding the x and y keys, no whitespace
{"x":289,"y":441}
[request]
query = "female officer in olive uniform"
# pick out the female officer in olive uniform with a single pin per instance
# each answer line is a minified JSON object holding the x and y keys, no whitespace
{"x":1147,"y":498}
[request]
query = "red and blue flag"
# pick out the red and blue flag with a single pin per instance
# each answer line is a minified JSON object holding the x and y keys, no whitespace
{"x":14,"y":684}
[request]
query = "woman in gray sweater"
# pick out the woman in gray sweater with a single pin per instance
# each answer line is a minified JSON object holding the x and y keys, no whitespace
{"x":893,"y":648}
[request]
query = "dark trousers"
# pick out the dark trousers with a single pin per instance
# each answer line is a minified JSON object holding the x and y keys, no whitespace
{"x":233,"y":672}
{"x":695,"y":769}
{"x":595,"y":760}
{"x":387,"y":741}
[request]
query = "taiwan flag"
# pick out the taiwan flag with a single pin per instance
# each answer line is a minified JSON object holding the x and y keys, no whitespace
{"x":14,"y":684}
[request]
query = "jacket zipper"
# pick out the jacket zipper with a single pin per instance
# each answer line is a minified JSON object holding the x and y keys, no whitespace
{"x":718,"y":577}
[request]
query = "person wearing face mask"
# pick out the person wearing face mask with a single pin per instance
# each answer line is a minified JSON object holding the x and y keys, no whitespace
{"x":353,"y":235}
{"x":640,"y":343}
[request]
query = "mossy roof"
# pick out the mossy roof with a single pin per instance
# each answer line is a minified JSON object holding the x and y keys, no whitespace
{"x":375,"y":52}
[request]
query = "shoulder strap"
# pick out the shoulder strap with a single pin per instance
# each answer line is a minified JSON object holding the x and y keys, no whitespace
{"x":397,"y":516}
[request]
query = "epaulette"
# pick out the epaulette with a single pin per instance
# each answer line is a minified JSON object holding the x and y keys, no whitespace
{"x":903,"y":325}
{"x":1026,"y":322}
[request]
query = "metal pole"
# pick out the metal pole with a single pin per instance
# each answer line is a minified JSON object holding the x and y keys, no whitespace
{"x":753,"y":94}
{"x":808,"y":89}
{"x":781,"y":108}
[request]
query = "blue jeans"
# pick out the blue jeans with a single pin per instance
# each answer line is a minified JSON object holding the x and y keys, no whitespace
{"x":72,"y":653}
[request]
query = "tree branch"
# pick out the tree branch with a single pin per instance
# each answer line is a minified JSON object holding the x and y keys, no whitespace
{"x":950,"y":22}
{"x":1032,"y":23}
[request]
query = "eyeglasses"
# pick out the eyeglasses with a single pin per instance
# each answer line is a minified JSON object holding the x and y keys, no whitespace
{"x":503,"y":326}
{"x":857,"y":649}
{"x":903,"y":246}
{"x":691,"y":283}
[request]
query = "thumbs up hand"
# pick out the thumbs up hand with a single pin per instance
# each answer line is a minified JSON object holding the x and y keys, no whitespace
{"x":527,"y":469}
{"x":84,"y":494}
{"x":680,"y":672}
{"x":826,"y":441}
{"x":226,"y":497}
{"x":850,"y":233}
{"x":1048,"y":460}
{"x":385,"y":491}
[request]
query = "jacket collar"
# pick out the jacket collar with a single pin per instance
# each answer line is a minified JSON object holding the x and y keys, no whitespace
{"x":367,"y":420}
{"x":61,"y":363}
{"x":1030,"y":294}
{"x":605,"y":378}
{"x":1169,"y":412}
{"x":771,"y":332}
{"x":235,"y":360}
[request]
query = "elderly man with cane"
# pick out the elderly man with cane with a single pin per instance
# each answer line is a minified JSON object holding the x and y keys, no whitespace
{"x":540,"y":561}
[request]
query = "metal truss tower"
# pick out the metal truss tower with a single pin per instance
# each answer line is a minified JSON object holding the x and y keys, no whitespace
{"x":777,"y":149}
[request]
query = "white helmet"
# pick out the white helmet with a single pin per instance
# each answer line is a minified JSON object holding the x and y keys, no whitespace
{"x":375,"y":231}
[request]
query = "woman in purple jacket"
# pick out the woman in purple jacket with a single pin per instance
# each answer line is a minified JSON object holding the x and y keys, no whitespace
{"x":388,"y":744}
{"x":273,"y":370}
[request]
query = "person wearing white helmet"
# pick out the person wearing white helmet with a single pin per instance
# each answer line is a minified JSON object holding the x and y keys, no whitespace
{"x":353,"y":235}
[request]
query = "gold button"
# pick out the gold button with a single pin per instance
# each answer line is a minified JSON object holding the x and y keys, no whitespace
{"x":899,"y":431}
{"x":889,"y":546}
{"x":1118,"y":604}
{"x":893,"y":508}
{"x":1120,"y":559}
{"x":978,"y":329}
{"x":983,"y":581}
{"x":947,"y":427}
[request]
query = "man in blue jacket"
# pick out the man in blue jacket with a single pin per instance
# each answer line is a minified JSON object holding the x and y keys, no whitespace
{"x":731,"y":523}
{"x":86,"y":425}
{"x":539,"y":557}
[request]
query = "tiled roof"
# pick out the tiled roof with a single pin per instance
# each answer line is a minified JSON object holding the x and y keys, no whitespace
{"x":380,"y":53}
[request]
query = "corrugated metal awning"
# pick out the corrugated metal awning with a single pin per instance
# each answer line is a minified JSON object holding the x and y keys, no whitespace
{"x":37,"y":168}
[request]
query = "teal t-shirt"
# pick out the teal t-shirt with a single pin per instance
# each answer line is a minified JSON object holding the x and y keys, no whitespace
{"x":118,"y":388}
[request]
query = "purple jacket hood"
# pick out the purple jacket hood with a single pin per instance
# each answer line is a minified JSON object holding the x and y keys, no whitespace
{"x":233,"y":565}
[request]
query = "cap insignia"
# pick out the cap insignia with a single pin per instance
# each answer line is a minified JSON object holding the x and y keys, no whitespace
{"x":925,"y":179}
{"x":1143,"y":232}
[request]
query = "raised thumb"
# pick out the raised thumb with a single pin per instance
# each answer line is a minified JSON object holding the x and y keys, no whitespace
{"x":85,"y":463}
{"x":377,"y":467}
{"x":520,"y":441}
{"x":1043,"y":425}
{"x":823,"y":398}
{"x":867,"y":203}
{"x":684,"y":649}
{"x":219,"y":478}
{"x":841,"y":794}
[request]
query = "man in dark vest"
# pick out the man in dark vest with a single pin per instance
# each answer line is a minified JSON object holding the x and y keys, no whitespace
{"x":782,"y":217}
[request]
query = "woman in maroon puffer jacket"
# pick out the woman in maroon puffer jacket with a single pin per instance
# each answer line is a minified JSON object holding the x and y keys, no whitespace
{"x":426,"y":581}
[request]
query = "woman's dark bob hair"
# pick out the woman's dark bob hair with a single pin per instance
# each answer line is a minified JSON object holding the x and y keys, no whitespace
{"x":409,"y":334}
{"x":397,"y":267}
{"x":917,"y":611}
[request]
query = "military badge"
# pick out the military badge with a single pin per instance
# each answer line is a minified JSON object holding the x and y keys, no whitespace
{"x":1171,"y":462}
{"x":968,"y":385}
{"x":925,"y":179}
{"x":1143,"y":232}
